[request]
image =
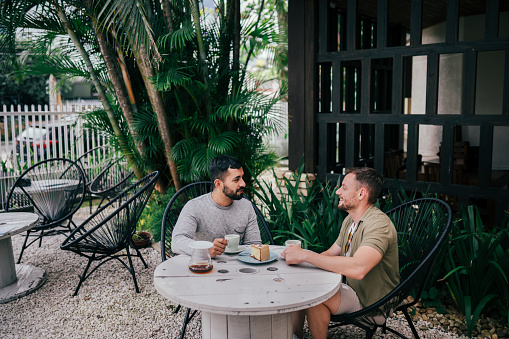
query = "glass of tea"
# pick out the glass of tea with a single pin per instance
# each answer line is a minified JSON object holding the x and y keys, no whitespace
{"x":200,"y":258}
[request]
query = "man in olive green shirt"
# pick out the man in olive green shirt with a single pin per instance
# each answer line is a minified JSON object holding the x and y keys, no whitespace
{"x":366,"y":253}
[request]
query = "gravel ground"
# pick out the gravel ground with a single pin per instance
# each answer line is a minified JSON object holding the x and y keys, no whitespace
{"x":107,"y":304}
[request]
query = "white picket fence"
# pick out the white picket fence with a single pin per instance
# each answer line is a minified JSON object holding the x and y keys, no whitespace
{"x":32,"y":134}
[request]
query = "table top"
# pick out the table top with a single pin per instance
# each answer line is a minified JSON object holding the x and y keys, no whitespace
{"x":16,"y":222}
{"x":272,"y":288}
{"x":50,"y":185}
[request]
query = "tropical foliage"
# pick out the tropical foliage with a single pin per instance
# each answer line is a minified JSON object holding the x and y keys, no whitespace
{"x":171,"y":74}
{"x":477,"y":266}
{"x":313,"y":218}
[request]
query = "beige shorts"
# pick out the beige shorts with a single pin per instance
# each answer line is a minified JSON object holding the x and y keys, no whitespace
{"x":350,"y":303}
{"x":349,"y":300}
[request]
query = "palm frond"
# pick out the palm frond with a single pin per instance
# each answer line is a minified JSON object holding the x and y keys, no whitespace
{"x":224,"y":143}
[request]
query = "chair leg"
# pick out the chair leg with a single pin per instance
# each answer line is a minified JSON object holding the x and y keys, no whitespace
{"x":40,"y":238}
{"x":24,"y":246}
{"x":138,"y":253}
{"x":83,"y":276}
{"x":187,"y":319}
{"x":410,"y":323}
{"x":132,"y":270}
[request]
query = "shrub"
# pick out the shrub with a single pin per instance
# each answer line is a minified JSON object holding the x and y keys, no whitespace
{"x":477,"y":262}
{"x":152,"y":215}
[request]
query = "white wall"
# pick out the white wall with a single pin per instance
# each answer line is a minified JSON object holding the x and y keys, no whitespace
{"x":489,"y":86}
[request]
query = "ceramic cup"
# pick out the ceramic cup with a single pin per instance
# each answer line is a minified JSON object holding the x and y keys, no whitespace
{"x":296,"y":242}
{"x":233,"y":242}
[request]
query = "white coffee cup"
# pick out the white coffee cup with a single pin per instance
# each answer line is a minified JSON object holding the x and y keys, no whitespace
{"x":233,"y":242}
{"x":289,"y":242}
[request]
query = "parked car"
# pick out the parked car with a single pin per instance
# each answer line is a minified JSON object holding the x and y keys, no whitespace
{"x":41,"y":140}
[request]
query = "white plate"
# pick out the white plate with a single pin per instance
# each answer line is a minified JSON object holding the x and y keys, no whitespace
{"x":249,"y":260}
{"x":239,"y":249}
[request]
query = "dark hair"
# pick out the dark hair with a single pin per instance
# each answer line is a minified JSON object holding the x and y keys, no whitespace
{"x":220,"y":165}
{"x":370,"y":179}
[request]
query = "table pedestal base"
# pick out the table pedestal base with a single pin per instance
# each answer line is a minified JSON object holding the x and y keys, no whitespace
{"x":220,"y":326}
{"x":29,"y":279}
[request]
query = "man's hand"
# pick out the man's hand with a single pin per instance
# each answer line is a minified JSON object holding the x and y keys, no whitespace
{"x":218,"y":248}
{"x":294,"y":254}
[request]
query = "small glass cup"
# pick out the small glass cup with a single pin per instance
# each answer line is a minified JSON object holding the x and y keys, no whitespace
{"x":200,"y":258}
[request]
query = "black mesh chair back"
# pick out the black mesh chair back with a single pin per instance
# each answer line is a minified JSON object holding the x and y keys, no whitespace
{"x":170,"y":218}
{"x":112,"y":180}
{"x":108,"y":231}
{"x":178,"y":201}
{"x":54,"y":189}
{"x":422,"y":226}
{"x":93,"y":162}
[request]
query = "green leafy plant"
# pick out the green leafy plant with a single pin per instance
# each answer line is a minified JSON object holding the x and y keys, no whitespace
{"x":432,"y":298}
{"x":152,"y":215}
{"x":312,"y":218}
{"x":477,"y":263}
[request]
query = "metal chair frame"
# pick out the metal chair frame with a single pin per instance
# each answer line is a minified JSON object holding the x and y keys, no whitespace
{"x":47,"y":225}
{"x":422,"y":226}
{"x":89,"y":172}
{"x":105,"y":234}
{"x":170,"y":218}
{"x":102,"y":186}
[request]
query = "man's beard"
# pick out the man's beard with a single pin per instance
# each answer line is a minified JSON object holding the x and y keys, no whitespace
{"x":231,"y":194}
{"x":345,"y":205}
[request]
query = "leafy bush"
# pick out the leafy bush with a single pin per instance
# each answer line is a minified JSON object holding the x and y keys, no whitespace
{"x":314,"y":218}
{"x":152,"y":215}
{"x":477,"y":262}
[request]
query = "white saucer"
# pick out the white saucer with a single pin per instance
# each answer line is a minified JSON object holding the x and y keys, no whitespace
{"x":239,"y":249}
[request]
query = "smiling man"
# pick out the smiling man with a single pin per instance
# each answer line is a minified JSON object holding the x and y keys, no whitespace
{"x":366,"y":253}
{"x":211,"y":216}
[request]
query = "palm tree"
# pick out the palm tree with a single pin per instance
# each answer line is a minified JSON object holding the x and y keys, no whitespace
{"x":173,"y":94}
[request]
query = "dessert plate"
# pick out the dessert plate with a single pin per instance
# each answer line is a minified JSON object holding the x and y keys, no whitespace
{"x":239,"y":249}
{"x":245,"y":256}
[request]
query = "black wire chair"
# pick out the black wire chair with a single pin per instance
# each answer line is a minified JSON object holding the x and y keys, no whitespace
{"x":422,"y":226}
{"x":54,"y":189}
{"x":105,"y":234}
{"x":93,"y":162}
{"x":112,"y":180}
{"x":170,"y":218}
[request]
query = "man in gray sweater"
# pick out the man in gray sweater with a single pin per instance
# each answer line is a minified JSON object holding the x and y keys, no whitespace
{"x":211,"y":216}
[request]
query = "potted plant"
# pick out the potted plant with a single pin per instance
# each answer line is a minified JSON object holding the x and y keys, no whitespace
{"x":141,"y":239}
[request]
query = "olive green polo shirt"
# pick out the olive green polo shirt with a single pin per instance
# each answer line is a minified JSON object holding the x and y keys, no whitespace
{"x":376,"y":230}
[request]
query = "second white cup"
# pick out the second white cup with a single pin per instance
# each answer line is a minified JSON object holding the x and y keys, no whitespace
{"x":296,"y":242}
{"x":233,"y":242}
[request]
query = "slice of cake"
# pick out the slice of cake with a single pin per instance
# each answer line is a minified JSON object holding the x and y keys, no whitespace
{"x":260,"y":252}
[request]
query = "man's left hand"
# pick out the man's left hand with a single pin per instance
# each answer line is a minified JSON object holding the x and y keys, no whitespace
{"x":294,"y":254}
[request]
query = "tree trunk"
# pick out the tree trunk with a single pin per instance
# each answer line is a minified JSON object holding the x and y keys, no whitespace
{"x":156,"y":100}
{"x":117,"y":81}
{"x":167,"y":14}
{"x":122,"y":140}
{"x":236,"y":45}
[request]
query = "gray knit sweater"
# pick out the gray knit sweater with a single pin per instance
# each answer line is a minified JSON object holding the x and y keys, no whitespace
{"x":203,"y":219}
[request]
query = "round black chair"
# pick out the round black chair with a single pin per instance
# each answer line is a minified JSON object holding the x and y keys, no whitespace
{"x":422,"y":226}
{"x":112,"y":180}
{"x":54,"y":189}
{"x":105,"y":234}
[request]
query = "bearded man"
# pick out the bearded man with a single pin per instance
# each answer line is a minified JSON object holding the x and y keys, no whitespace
{"x":212,"y":215}
{"x":366,"y":253}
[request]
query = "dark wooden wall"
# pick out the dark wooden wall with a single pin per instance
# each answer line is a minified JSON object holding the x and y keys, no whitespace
{"x":368,"y":82}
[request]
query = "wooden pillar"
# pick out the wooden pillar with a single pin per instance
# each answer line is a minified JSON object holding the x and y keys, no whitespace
{"x":301,"y":83}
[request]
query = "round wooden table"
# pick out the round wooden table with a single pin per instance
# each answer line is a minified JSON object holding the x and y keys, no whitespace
{"x":241,"y":300}
{"x":16,"y":280}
